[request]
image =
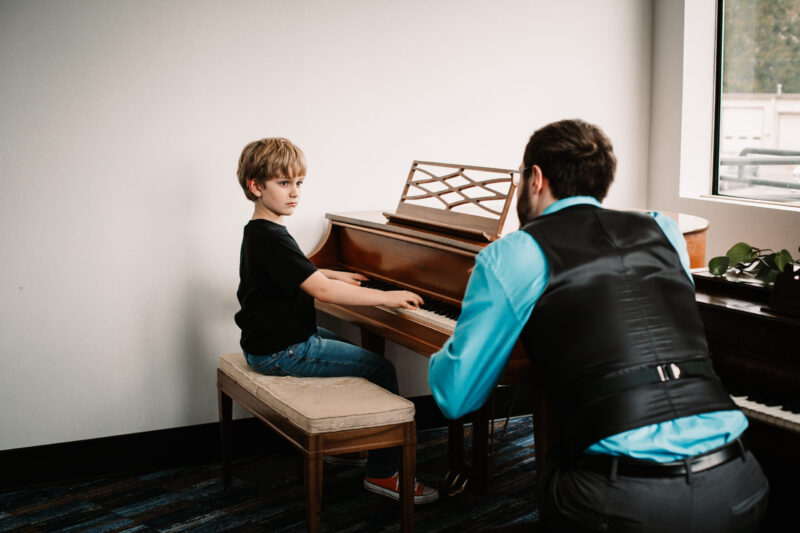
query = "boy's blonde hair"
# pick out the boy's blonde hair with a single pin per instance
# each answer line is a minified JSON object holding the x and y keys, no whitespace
{"x":269,"y":159}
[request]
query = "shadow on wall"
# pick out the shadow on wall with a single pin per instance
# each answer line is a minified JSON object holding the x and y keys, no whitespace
{"x":209,"y":332}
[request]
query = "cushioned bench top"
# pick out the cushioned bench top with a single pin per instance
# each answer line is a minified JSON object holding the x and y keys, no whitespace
{"x":320,"y":405}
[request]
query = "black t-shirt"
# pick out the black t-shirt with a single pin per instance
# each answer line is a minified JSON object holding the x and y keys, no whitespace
{"x":275,"y":312}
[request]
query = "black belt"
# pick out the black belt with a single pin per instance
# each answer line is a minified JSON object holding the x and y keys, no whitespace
{"x":625,"y":466}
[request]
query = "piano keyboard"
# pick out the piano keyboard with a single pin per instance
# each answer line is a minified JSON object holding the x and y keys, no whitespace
{"x":434,"y":312}
{"x":774,"y":415}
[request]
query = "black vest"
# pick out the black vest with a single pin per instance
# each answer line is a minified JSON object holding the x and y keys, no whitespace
{"x":618,"y":306}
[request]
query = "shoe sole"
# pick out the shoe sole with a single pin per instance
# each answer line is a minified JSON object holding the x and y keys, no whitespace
{"x":418,"y":500}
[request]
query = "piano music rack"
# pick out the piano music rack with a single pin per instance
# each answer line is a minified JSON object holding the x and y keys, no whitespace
{"x":462,"y":200}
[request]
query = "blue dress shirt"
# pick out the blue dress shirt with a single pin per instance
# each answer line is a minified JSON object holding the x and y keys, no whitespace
{"x":509,"y":277}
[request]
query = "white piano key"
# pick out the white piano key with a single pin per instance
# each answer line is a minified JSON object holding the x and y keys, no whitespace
{"x":428,"y":317}
{"x":775,"y":415}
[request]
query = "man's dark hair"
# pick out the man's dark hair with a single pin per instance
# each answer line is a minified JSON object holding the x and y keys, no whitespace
{"x":576,"y":158}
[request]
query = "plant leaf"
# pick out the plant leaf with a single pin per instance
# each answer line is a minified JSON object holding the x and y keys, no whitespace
{"x":768,"y":277}
{"x":741,"y":252}
{"x":782,"y":259}
{"x":771,"y":261}
{"x":718,"y":265}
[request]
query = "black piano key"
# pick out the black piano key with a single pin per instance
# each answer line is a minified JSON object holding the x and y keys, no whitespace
{"x":764,"y":399}
{"x":792,"y":406}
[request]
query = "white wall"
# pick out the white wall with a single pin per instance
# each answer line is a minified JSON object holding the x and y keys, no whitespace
{"x":681,"y":135}
{"x":121,"y":124}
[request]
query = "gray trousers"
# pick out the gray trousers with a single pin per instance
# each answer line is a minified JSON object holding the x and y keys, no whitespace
{"x":731,"y":497}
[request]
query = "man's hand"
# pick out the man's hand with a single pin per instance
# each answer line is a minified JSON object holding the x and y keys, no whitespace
{"x":404,"y":299}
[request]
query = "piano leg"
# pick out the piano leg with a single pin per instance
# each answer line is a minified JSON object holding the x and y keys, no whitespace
{"x":480,"y":448}
{"x":476,"y":471}
{"x":373,"y":342}
{"x":456,"y":477}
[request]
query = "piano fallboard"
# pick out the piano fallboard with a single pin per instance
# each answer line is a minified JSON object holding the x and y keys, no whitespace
{"x":415,"y":334}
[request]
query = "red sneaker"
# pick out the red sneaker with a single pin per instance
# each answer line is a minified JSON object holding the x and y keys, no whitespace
{"x":390,"y":487}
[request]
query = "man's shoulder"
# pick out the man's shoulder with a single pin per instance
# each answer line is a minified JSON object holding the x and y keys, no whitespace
{"x":517,"y":265}
{"x":511,"y":243}
{"x":666,"y":222}
{"x":514,"y":256}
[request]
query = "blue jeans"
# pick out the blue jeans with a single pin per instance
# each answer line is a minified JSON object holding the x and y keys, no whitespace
{"x":325,"y":354}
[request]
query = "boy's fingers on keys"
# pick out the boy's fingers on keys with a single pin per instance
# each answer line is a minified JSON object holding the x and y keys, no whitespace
{"x":415,"y":300}
{"x":354,"y":279}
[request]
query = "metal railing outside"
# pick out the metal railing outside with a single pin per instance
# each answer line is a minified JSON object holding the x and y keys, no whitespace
{"x":747,"y":167}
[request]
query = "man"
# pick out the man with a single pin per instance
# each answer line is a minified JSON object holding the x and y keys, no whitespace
{"x":603,"y":302}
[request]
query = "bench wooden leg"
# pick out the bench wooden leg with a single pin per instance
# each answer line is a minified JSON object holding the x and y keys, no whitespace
{"x":300,"y":464}
{"x":225,"y":421}
{"x":408,"y":459}
{"x":312,"y":467}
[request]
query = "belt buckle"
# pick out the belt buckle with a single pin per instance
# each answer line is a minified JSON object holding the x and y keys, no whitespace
{"x":667,"y":372}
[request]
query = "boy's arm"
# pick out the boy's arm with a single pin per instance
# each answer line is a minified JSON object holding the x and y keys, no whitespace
{"x":352,"y":278}
{"x":337,"y":292}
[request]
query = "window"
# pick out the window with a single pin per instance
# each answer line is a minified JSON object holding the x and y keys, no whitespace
{"x":757,"y":153}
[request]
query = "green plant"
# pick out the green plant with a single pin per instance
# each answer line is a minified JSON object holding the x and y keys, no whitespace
{"x":748,"y":261}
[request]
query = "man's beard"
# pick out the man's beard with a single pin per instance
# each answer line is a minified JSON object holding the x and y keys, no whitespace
{"x":524,"y":210}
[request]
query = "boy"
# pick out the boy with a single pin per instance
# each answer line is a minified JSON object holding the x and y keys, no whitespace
{"x":277,"y":290}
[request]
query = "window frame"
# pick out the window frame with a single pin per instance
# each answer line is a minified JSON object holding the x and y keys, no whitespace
{"x":717,"y":125}
{"x":717,"y":129}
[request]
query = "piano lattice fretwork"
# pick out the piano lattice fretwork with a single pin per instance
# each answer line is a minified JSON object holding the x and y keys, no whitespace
{"x":460,"y":199}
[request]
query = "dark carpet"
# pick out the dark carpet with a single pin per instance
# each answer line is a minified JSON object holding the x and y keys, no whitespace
{"x":267,"y":495}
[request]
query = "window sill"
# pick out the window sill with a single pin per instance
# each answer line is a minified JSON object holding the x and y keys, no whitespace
{"x":731,"y":200}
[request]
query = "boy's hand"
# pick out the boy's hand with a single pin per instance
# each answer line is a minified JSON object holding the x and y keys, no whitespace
{"x":404,"y":299}
{"x":352,"y":278}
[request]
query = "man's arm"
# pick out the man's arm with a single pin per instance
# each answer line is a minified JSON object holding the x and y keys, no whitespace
{"x":508,"y":278}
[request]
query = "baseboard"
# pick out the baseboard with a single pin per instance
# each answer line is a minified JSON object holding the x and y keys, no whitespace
{"x":126,"y":454}
{"x":183,"y":446}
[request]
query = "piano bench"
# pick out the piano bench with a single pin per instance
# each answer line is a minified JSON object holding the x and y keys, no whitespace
{"x":320,"y":416}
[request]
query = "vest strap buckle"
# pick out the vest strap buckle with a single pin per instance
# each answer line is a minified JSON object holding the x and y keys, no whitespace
{"x":667,"y":372}
{"x":587,"y":391}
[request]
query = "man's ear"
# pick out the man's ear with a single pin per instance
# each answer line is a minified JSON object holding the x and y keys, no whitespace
{"x":537,"y":179}
{"x":254,"y":187}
